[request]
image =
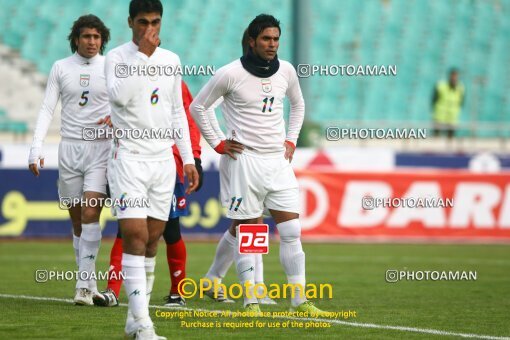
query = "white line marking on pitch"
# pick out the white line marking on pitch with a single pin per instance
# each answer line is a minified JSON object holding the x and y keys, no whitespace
{"x":334,"y":321}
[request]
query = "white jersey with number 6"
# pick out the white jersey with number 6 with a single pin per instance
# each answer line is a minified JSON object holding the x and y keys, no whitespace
{"x":145,"y":101}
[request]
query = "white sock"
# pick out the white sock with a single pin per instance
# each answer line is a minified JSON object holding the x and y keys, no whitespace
{"x":259,"y":273}
{"x":259,"y":269}
{"x":133,"y":267}
{"x":223,"y":258}
{"x":150,"y":264}
{"x":245,"y":265}
{"x":92,"y":282}
{"x":76,"y":246}
{"x":292,"y":257}
{"x":90,"y":240}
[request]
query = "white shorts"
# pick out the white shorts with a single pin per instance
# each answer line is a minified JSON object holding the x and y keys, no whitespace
{"x":252,"y":183}
{"x":82,"y":167}
{"x":224,"y":180}
{"x":136,"y":182}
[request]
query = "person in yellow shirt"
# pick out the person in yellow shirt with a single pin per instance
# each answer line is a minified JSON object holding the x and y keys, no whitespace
{"x":447,"y":103}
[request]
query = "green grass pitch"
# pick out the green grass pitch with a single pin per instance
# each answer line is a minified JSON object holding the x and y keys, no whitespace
{"x":356,"y":272}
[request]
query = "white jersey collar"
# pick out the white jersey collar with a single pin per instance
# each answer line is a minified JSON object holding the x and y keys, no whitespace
{"x":132,"y":45}
{"x":81,"y":60}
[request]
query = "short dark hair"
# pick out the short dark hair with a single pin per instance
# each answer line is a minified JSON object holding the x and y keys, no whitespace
{"x":260,"y":23}
{"x":88,"y":21}
{"x":245,"y":42}
{"x":453,"y":70}
{"x":145,"y":6}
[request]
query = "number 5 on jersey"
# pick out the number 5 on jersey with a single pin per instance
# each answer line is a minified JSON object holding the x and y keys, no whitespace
{"x":84,"y":98}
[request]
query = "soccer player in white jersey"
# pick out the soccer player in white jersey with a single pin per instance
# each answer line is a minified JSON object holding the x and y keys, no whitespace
{"x":144,"y":168}
{"x":80,"y":83}
{"x":224,"y":256}
{"x":260,"y":151}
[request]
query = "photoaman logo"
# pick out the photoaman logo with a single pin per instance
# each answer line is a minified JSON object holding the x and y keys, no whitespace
{"x":253,"y":238}
{"x":189,"y":288}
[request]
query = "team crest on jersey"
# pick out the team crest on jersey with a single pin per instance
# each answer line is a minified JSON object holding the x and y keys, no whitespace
{"x":266,"y":85}
{"x":84,"y":80}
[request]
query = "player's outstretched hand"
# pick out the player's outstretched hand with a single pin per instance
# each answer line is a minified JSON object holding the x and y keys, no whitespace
{"x":106,"y":120}
{"x":34,"y":159}
{"x":192,"y":175}
{"x":289,"y":150}
{"x":229,"y":147}
{"x":34,"y":169}
{"x":149,"y":42}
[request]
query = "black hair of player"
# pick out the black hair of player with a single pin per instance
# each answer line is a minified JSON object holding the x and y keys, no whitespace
{"x":88,"y":21}
{"x":260,"y":23}
{"x":245,"y":42}
{"x":145,"y":6}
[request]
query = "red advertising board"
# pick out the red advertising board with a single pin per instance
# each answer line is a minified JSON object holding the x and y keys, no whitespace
{"x":332,"y":209}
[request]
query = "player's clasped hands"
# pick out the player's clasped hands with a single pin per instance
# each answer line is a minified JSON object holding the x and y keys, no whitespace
{"x":106,"y":120}
{"x":149,"y":42}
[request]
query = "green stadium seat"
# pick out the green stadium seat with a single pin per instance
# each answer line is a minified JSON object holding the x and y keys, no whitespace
{"x":4,"y":125}
{"x":8,"y":125}
{"x":17,"y":127}
{"x":423,"y":38}
{"x":13,"y":39}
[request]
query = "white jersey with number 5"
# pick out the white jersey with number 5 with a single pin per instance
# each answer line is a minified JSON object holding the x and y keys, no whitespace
{"x":81,"y":85}
{"x":252,"y":107}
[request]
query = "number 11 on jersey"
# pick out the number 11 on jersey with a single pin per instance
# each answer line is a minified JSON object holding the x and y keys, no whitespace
{"x":239,"y":200}
{"x":271,"y":100}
